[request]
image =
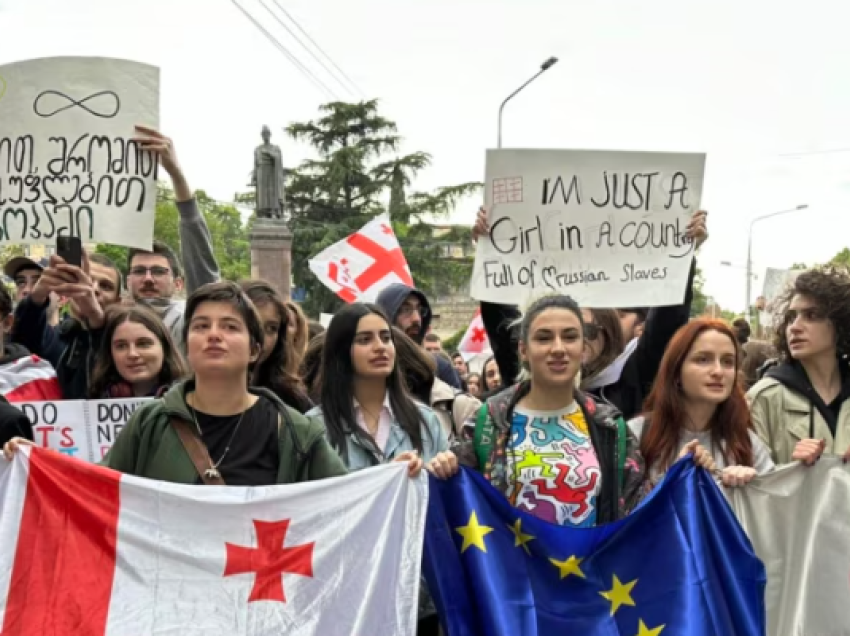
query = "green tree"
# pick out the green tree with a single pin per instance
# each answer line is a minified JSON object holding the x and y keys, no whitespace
{"x":355,"y":176}
{"x":842,"y":258}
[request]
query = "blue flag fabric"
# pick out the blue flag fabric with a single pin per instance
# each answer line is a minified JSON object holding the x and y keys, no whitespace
{"x":679,"y":565}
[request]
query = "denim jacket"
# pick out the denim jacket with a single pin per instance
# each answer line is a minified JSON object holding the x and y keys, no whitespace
{"x":434,"y":441}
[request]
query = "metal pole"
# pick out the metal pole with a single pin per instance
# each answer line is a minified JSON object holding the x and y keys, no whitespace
{"x":543,"y":68}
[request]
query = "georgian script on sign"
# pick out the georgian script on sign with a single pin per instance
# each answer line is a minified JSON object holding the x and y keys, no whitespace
{"x":68,"y":165}
{"x":607,"y":228}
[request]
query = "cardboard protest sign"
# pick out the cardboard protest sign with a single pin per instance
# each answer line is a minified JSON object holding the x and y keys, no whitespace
{"x":67,"y":162}
{"x":85,"y":429}
{"x":607,"y":228}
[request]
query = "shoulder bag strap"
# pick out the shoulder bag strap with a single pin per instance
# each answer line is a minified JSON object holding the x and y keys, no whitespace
{"x":197,"y":451}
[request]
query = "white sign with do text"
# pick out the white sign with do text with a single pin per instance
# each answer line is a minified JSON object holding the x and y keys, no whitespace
{"x":68,"y":165}
{"x":85,"y":429}
{"x":607,"y":228}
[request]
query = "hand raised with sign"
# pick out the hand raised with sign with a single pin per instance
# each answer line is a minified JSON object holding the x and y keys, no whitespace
{"x":696,"y":229}
{"x":481,"y":227}
{"x":155,"y":141}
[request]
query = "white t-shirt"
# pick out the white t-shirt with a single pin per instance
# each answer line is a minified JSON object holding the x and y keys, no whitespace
{"x":761,"y":455}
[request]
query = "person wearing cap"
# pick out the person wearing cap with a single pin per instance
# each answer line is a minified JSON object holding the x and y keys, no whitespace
{"x":25,"y":273}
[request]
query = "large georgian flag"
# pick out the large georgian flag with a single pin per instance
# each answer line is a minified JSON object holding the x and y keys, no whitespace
{"x":361,"y":265}
{"x":86,"y":551}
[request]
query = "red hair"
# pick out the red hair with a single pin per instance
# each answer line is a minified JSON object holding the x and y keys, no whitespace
{"x":665,"y":406}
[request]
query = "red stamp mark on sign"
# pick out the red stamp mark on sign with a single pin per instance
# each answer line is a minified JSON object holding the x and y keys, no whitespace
{"x":507,"y":190}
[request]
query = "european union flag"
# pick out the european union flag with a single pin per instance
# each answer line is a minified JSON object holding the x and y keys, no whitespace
{"x":679,"y":565}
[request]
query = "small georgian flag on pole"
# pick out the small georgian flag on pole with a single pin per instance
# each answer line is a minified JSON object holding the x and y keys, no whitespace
{"x":360,"y":266}
{"x":474,"y":341}
{"x":89,"y":551}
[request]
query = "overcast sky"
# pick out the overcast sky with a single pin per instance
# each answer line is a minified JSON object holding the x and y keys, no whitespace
{"x":753,"y":84}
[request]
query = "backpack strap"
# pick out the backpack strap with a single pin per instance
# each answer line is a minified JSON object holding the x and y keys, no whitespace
{"x":198,"y":452}
{"x":622,"y":445}
{"x":483,"y":438}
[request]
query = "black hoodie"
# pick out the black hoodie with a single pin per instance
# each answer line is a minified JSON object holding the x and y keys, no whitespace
{"x":793,"y":377}
{"x":391,"y":300}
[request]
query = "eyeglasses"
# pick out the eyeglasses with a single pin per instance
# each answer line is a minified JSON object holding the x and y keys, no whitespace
{"x":407,"y":310}
{"x":591,"y":331}
{"x":156,"y":271}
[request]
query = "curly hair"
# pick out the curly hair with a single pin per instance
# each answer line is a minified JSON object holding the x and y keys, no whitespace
{"x":829,"y":287}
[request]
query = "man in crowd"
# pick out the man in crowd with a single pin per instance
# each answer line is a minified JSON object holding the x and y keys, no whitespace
{"x":409,"y":310}
{"x":742,"y":330}
{"x":632,"y":321}
{"x":155,"y":277}
{"x":433,"y":344}
{"x":461,"y":368}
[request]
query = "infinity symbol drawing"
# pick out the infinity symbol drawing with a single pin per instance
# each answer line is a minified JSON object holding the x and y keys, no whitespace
{"x":49,"y":99}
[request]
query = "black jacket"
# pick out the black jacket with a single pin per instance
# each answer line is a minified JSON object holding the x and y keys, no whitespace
{"x":69,"y":347}
{"x":13,"y":423}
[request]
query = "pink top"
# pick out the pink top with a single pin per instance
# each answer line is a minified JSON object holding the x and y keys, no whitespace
{"x":385,"y":421}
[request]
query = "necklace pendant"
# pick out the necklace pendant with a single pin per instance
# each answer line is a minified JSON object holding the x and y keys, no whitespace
{"x":212,"y":473}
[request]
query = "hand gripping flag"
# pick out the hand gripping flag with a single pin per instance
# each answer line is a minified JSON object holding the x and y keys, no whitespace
{"x":359,"y":267}
{"x":797,"y":518}
{"x":678,"y":565}
{"x":89,"y":551}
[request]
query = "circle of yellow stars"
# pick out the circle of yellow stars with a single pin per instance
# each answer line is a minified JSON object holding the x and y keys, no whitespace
{"x":619,"y":595}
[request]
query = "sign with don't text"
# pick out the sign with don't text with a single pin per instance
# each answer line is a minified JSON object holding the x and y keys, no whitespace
{"x":85,"y":429}
{"x":607,"y":228}
{"x":68,"y":165}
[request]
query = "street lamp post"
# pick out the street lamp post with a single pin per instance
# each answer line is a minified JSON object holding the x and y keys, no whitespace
{"x":750,"y":250}
{"x":543,"y":68}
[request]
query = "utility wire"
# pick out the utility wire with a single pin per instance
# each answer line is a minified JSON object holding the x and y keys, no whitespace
{"x":320,"y":49}
{"x":280,"y":47}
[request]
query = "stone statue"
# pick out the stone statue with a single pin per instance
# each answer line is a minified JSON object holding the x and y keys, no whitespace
{"x":267,"y":178}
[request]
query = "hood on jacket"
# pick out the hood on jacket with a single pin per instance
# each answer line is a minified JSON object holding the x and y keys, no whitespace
{"x":13,"y":351}
{"x":391,"y":299}
{"x":792,"y":376}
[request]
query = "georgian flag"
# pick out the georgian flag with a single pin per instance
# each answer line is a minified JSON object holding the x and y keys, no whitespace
{"x":29,"y":379}
{"x":360,"y":266}
{"x":474,"y":341}
{"x":89,"y":551}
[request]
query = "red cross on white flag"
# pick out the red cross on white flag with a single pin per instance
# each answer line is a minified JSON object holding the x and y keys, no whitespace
{"x":359,"y":267}
{"x":475,"y":339}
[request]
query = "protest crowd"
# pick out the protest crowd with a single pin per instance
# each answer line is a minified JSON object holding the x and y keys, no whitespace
{"x":578,"y":419}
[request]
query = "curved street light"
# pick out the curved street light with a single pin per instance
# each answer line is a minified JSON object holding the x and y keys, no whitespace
{"x":543,"y":68}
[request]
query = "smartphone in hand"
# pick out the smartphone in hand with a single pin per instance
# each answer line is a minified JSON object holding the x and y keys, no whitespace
{"x":70,"y":249}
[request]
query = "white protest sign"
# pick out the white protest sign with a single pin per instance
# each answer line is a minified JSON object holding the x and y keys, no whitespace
{"x":67,"y":162}
{"x":85,"y":429}
{"x":607,"y":228}
{"x":325,"y":320}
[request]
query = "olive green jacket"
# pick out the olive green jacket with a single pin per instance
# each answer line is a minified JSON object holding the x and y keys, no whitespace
{"x":148,"y":446}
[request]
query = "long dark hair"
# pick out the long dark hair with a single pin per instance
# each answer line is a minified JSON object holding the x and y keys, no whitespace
{"x":274,"y":372}
{"x":665,"y":406}
{"x":105,"y":375}
{"x":337,"y":391}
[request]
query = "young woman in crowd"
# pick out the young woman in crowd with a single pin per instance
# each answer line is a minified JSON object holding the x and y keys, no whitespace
{"x":370,"y":417}
{"x":213,"y":428}
{"x":801,"y":407}
{"x":491,"y":375}
{"x":298,"y":332}
{"x":697,"y":399}
{"x":273,"y":368}
{"x":553,"y":451}
{"x":473,"y":384}
{"x":627,"y":382}
{"x":137,"y":356}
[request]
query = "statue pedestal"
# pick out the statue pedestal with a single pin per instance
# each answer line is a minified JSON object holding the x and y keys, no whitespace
{"x":271,"y":253}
